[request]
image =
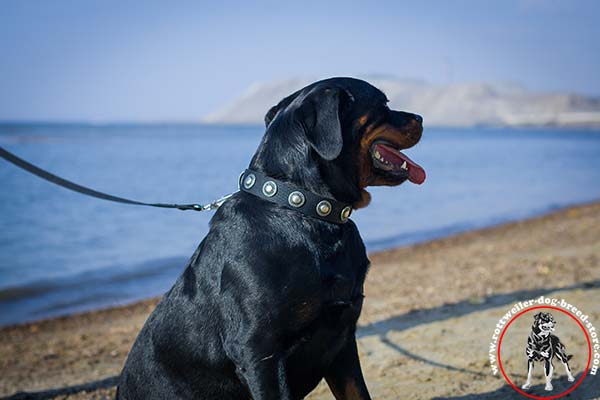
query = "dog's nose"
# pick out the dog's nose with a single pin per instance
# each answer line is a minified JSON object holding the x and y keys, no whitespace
{"x":418,"y":118}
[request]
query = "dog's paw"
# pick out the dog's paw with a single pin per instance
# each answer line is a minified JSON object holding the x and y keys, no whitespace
{"x":571,"y":378}
{"x":548,"y":387}
{"x":526,"y":386}
{"x":544,"y":353}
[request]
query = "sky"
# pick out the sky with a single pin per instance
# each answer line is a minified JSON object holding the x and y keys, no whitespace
{"x":150,"y":61}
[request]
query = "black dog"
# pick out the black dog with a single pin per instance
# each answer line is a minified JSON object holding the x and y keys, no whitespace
{"x":268,"y":304}
{"x":543,"y":346}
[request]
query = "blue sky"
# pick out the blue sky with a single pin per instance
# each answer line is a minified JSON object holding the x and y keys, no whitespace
{"x":177,"y":61}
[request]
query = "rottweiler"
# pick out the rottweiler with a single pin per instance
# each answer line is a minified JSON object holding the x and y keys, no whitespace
{"x":542,"y":345}
{"x":268,"y":305}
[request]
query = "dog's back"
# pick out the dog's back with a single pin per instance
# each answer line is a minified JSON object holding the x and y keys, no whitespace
{"x":538,"y":345}
{"x":558,"y":349}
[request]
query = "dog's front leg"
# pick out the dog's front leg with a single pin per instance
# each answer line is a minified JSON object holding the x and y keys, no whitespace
{"x":259,"y":366}
{"x":548,"y":370}
{"x":345,"y":378}
{"x":264,"y":377}
{"x":570,"y":376}
{"x":527,"y":384}
{"x":564,"y":359}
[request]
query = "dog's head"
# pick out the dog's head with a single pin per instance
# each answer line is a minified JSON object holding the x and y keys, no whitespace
{"x":543,"y":323}
{"x":337,"y":137}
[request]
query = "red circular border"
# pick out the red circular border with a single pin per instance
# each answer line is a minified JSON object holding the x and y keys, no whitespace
{"x":556,"y":396}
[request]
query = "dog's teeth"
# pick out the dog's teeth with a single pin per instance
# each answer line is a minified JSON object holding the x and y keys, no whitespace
{"x":404,"y":166}
{"x":377,"y":155}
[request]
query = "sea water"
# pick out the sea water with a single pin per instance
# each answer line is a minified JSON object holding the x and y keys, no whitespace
{"x":62,"y":252}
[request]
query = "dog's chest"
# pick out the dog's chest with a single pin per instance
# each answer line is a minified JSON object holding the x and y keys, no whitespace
{"x":327,"y":329}
{"x":342,"y":276}
{"x":340,"y":289}
{"x":540,"y":344}
{"x":332,"y":288}
{"x":342,"y":281}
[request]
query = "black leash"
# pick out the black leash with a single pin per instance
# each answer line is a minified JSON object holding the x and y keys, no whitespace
{"x":88,"y":387}
{"x":19,"y":162}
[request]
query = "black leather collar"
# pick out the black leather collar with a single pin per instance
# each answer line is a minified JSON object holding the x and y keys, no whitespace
{"x":288,"y":195}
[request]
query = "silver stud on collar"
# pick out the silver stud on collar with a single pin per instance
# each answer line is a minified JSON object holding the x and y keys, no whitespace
{"x":345,"y":214}
{"x":269,"y":188}
{"x":324,"y":208}
{"x":249,"y":181}
{"x":296,"y":199}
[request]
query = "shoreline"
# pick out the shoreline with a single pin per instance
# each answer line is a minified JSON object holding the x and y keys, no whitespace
{"x":174,"y":265}
{"x":559,"y":250}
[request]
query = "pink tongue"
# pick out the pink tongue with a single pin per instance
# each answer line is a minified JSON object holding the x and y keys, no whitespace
{"x":416,"y":174}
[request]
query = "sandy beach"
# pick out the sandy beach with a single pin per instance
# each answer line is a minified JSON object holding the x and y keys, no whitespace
{"x":429,"y":312}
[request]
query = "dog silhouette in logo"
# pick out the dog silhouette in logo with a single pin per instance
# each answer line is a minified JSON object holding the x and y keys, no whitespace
{"x":542,"y":345}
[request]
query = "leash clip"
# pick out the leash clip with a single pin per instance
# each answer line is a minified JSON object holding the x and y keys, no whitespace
{"x":214,"y":205}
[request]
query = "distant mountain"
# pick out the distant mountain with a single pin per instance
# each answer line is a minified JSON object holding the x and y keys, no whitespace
{"x":460,"y":105}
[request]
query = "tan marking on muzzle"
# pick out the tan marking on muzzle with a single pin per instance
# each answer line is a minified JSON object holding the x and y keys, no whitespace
{"x":404,"y":137}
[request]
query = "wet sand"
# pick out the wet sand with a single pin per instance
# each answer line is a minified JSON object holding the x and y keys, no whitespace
{"x":429,"y":312}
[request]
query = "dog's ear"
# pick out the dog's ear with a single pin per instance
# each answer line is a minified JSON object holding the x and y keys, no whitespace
{"x":537,"y":316}
{"x":270,"y":115}
{"x":320,"y":119}
{"x":281,"y":106}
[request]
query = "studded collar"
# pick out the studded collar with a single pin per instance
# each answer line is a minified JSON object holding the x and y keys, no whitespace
{"x":293,"y":197}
